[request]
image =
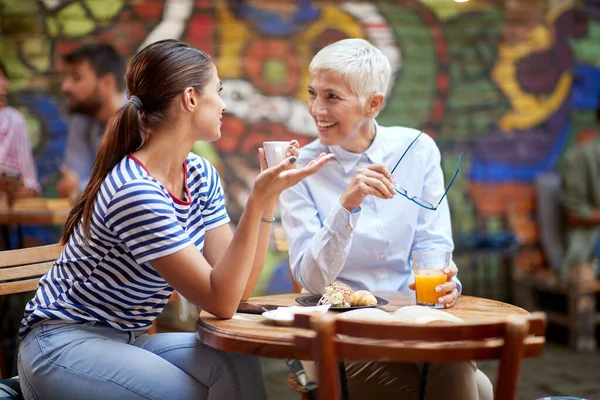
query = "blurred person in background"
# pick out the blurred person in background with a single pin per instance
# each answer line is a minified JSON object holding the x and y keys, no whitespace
{"x":18,"y":177}
{"x":93,"y":86}
{"x":581,"y":198}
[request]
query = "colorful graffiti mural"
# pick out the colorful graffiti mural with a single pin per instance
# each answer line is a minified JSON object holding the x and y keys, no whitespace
{"x":512,"y":104}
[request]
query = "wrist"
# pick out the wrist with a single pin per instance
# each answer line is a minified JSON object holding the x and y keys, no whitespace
{"x":350,"y":203}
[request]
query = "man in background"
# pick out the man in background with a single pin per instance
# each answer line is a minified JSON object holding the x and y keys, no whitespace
{"x":581,"y":198}
{"x":93,"y":86}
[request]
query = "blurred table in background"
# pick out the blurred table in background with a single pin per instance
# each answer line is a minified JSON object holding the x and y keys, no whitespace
{"x":35,"y":211}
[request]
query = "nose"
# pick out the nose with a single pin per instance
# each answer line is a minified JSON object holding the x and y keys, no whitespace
{"x":65,"y":85}
{"x":315,"y":106}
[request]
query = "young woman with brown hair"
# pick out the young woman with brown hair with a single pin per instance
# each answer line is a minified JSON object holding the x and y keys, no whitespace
{"x":152,"y":219}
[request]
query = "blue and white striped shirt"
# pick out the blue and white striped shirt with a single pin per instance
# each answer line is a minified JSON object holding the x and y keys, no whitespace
{"x":135,"y":220}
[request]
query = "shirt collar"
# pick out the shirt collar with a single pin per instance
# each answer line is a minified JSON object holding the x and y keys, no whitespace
{"x":349,"y":160}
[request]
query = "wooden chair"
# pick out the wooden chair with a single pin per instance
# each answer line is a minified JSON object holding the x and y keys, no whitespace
{"x":20,"y":271}
{"x":364,"y":341}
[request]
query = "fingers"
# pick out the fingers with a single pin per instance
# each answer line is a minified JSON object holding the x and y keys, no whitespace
{"x":375,"y":183}
{"x":451,"y":271}
{"x":450,"y":293}
{"x":382,"y":169}
{"x":412,"y":286}
{"x":445,"y":287}
{"x":312,"y":167}
{"x":450,"y":299}
{"x":262,"y":159}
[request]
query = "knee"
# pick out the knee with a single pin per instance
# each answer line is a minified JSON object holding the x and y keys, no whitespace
{"x":485,"y":390}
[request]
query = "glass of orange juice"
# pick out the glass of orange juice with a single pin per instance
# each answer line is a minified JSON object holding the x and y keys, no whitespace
{"x":428,"y":266}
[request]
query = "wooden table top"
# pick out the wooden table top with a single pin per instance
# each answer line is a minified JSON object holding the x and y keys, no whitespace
{"x":36,"y":211}
{"x":253,"y":334}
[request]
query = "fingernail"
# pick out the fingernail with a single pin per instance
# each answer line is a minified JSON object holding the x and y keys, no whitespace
{"x":438,"y":289}
{"x":291,"y":147}
{"x":292,"y":160}
{"x":441,"y":300}
{"x":447,"y":271}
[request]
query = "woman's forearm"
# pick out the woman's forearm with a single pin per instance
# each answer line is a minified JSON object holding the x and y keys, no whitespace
{"x":262,"y":246}
{"x":231,"y":273}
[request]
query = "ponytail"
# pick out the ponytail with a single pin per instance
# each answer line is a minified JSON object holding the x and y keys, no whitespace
{"x":121,"y":137}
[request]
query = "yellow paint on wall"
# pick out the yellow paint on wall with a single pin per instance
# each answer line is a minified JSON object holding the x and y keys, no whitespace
{"x":233,"y":35}
{"x":528,"y":110}
{"x":447,"y":9}
{"x":331,"y":17}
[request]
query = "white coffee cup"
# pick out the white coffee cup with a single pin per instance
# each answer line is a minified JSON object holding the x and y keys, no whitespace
{"x":275,"y":152}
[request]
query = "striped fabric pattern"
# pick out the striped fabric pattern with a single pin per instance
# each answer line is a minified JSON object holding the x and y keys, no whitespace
{"x":15,"y":150}
{"x":135,"y":220}
{"x":10,"y":389}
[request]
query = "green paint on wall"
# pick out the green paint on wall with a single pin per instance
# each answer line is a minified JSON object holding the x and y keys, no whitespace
{"x":52,"y":27}
{"x":36,"y":50}
{"x":104,"y":10}
{"x":74,"y":21}
{"x":410,"y":101}
{"x":587,"y":51}
{"x":275,"y":72}
{"x":206,"y":150}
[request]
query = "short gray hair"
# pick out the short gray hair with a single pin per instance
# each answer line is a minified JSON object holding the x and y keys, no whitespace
{"x":365,"y":67}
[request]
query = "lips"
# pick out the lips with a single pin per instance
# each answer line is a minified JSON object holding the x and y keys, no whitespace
{"x":325,"y":125}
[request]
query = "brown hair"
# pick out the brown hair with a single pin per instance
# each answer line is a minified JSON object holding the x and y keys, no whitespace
{"x":157,"y":74}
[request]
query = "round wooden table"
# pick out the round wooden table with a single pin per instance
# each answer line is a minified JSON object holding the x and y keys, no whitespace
{"x":253,"y":334}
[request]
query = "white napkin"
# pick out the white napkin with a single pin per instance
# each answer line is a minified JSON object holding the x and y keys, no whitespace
{"x":287,"y":313}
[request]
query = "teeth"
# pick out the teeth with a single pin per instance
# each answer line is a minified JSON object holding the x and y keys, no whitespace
{"x":326,"y":124}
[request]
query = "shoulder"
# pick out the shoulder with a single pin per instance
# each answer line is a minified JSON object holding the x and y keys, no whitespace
{"x":310,"y":152}
{"x":200,"y":167}
{"x":12,"y":114}
{"x":130,"y":179}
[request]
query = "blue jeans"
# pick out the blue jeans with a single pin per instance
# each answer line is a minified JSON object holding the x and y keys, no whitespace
{"x":92,"y":361}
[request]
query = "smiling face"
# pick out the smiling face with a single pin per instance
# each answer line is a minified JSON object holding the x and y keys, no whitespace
{"x":337,"y":111}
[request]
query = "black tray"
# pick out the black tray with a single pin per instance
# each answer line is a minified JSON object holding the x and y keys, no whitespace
{"x":313,"y":300}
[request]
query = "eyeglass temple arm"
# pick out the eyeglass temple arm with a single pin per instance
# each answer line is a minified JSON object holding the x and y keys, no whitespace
{"x":452,"y":181}
{"x":405,"y":151}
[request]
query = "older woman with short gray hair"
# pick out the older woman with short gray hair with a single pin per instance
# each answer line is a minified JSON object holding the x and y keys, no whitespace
{"x":346,"y":223}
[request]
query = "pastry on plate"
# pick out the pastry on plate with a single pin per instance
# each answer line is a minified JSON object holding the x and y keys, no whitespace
{"x":363,"y":298}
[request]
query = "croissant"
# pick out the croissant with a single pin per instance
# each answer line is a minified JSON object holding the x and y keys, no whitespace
{"x":363,"y":298}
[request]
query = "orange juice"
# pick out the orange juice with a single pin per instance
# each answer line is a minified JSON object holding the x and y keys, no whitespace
{"x":426,"y":280}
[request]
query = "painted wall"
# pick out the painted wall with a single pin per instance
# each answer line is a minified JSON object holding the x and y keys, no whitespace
{"x":509,"y":85}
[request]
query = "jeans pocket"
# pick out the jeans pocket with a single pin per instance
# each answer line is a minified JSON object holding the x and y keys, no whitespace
{"x":52,"y":329}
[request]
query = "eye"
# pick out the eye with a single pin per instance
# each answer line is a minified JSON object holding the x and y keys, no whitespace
{"x":333,"y":96}
{"x":311,"y":92}
{"x":220,"y":90}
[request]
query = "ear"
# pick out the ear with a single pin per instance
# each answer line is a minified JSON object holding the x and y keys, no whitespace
{"x":374,"y":104}
{"x":189,"y":99}
{"x":108,"y":82}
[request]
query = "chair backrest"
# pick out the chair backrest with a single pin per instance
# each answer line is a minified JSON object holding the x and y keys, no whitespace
{"x":550,"y":217}
{"x":337,"y":339}
{"x":20,"y":270}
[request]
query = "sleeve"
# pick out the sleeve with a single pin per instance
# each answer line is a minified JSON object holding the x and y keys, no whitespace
{"x":144,"y":219}
{"x":78,"y":154}
{"x":25,"y":157}
{"x":318,"y":250}
{"x":212,"y":203}
{"x":575,"y":189}
{"x":434,"y":228}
